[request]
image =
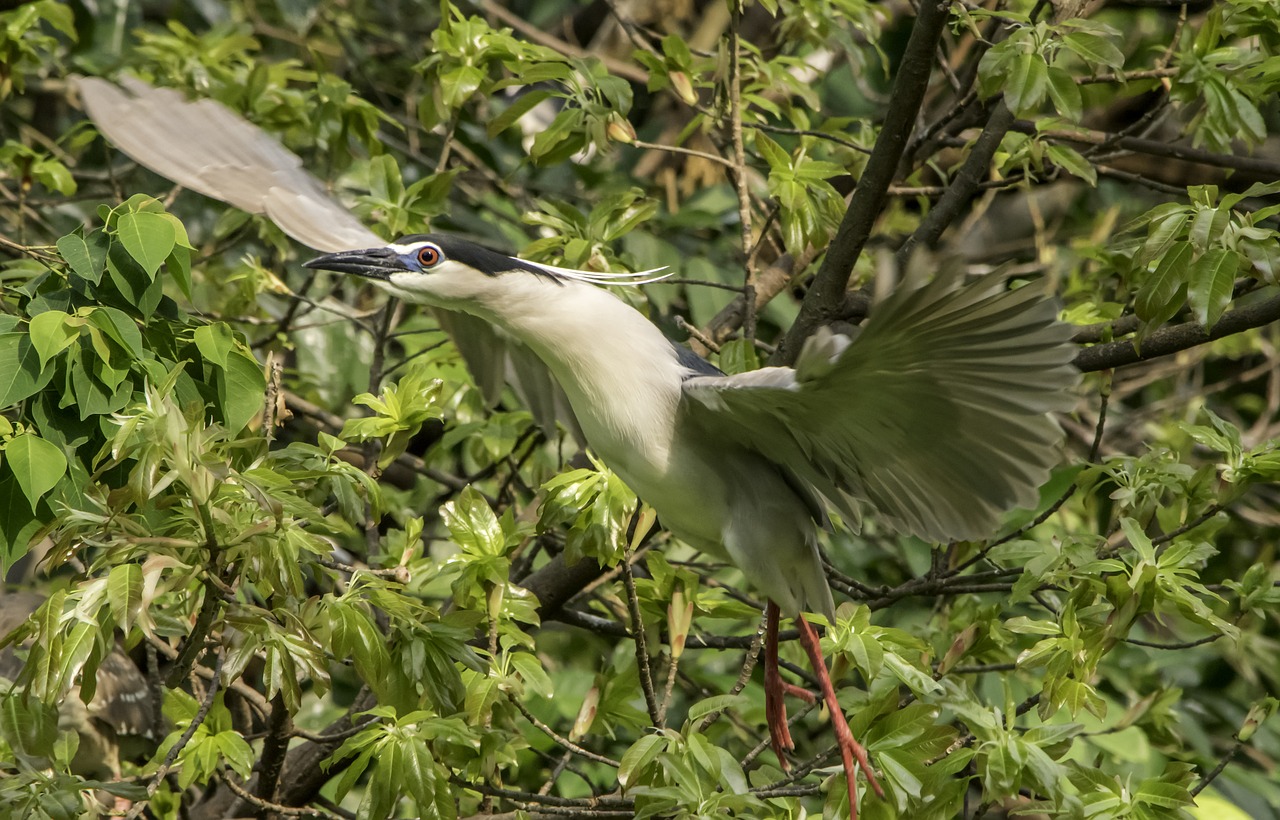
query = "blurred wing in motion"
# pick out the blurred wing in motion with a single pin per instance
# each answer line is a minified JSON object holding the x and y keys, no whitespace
{"x":205,"y":146}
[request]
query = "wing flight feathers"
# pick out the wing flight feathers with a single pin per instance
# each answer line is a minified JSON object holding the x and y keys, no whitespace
{"x":205,"y":146}
{"x":937,"y":414}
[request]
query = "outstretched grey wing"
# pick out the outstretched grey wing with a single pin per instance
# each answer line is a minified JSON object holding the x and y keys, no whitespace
{"x":204,"y":146}
{"x":936,"y":413}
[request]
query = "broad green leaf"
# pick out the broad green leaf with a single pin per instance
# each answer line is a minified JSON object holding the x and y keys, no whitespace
{"x":148,"y":237}
{"x":1095,"y":50}
{"x":1070,"y":160}
{"x":1027,"y":84}
{"x":1164,"y":795}
{"x":1163,"y":293}
{"x":521,"y":106}
{"x":124,"y":593}
{"x":120,"y":327}
{"x":534,"y":676}
{"x":241,"y":389}
{"x":1207,"y":226}
{"x":87,"y":255}
{"x":17,"y":524}
{"x":215,"y":341}
{"x":473,"y":524}
{"x":1213,"y":277}
{"x":639,"y":756}
{"x":1065,"y":94}
{"x":21,"y":375}
{"x":715,"y":703}
{"x":37,"y":464}
{"x":51,"y":334}
{"x":138,"y":290}
{"x":180,"y":268}
{"x":1264,"y":257}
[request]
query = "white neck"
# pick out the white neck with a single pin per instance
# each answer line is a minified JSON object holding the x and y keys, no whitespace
{"x":620,"y":373}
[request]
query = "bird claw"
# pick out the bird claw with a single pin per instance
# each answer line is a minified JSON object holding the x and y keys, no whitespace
{"x":775,"y":689}
{"x":850,"y":749}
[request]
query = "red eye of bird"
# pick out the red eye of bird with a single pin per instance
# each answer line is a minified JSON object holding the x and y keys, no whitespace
{"x":429,"y":256}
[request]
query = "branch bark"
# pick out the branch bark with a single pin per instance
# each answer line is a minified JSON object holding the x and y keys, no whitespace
{"x":1172,"y":339}
{"x":965,"y":184}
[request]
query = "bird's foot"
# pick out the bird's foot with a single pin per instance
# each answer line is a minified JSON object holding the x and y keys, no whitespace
{"x":850,"y":749}
{"x":776,"y":689}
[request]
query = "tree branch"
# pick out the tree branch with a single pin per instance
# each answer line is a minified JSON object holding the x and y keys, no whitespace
{"x":1157,"y":148}
{"x":826,"y":294}
{"x":1174,"y":338}
{"x":965,"y":184}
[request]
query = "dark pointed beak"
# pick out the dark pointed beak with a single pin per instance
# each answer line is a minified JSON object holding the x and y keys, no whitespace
{"x":374,"y":263}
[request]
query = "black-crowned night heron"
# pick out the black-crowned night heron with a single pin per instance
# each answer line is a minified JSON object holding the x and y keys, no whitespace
{"x":937,"y":413}
{"x":120,"y":720}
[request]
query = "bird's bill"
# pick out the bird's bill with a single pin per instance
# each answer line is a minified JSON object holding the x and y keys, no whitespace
{"x":373,"y":263}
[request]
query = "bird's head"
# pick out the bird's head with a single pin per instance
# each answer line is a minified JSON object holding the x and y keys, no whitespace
{"x":450,"y":272}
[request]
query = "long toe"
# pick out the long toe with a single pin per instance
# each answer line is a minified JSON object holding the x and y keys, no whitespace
{"x":850,"y":749}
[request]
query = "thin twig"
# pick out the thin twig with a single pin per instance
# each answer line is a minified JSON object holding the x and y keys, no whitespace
{"x":289,"y":811}
{"x":637,"y":634}
{"x":1217,"y":770}
{"x":563,"y":741}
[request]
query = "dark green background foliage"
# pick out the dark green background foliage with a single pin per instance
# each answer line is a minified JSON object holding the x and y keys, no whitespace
{"x":356,"y":590}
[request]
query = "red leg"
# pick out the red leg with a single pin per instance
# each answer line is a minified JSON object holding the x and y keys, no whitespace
{"x":775,"y":689}
{"x":775,"y":710}
{"x":850,"y":749}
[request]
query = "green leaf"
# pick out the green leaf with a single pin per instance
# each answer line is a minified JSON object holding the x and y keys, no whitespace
{"x":1213,"y":277}
{"x":1164,"y":795}
{"x":51,"y":334}
{"x":1164,"y":291}
{"x":473,"y":524}
{"x":1070,"y":160}
{"x":716,"y":703}
{"x":241,"y":389}
{"x":120,"y":327}
{"x":37,"y":464}
{"x":179,"y":263}
{"x":215,"y":341}
{"x":521,"y":106}
{"x":1094,"y":49}
{"x":124,"y":593}
{"x":138,"y":290}
{"x":21,"y":375}
{"x":639,"y":756}
{"x":87,"y":255}
{"x":779,"y":160}
{"x":1027,"y":84}
{"x":531,"y":671}
{"x":1065,"y":94}
{"x":148,"y":237}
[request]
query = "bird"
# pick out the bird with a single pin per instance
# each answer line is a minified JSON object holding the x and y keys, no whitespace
{"x":120,"y":721}
{"x":935,"y":415}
